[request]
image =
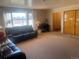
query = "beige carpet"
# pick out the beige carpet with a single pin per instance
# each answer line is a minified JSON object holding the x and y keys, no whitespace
{"x":51,"y":45}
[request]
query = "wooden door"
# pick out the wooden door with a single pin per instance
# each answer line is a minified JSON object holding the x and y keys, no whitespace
{"x":77,"y":23}
{"x":57,"y":21}
{"x":69,"y":22}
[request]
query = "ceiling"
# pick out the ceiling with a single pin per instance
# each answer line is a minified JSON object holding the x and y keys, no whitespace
{"x":38,"y":4}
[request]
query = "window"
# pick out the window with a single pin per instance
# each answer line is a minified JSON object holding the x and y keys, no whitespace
{"x":30,"y":17}
{"x":18,"y":19}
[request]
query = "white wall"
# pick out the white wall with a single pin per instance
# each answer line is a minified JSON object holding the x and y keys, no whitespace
{"x":50,"y":19}
{"x":61,"y":9}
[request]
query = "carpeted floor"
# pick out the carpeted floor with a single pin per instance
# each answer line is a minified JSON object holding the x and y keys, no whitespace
{"x":51,"y":45}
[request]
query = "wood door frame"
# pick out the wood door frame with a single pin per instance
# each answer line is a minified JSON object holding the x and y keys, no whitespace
{"x":75,"y":20}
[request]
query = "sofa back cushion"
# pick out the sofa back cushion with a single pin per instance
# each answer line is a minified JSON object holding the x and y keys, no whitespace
{"x":19,"y":30}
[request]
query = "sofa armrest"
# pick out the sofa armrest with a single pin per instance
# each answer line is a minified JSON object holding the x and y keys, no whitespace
{"x":16,"y":55}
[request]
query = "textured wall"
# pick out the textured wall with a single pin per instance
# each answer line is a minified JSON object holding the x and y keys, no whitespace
{"x":40,"y":15}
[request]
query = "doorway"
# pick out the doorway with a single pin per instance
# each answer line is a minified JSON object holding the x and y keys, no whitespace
{"x":71,"y":22}
{"x":57,"y":21}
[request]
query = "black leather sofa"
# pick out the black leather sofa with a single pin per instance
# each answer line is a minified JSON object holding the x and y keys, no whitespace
{"x":11,"y":52}
{"x":18,"y":34}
